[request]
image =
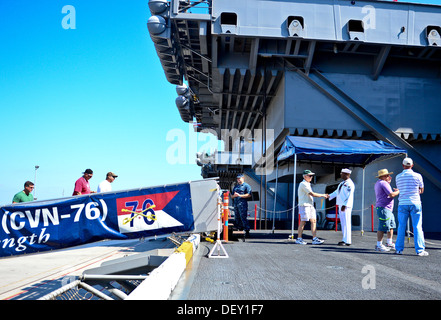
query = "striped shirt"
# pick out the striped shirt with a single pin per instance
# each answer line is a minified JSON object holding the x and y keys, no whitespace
{"x":409,"y":183}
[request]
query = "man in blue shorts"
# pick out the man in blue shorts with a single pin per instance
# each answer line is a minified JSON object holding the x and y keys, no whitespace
{"x":385,"y":204}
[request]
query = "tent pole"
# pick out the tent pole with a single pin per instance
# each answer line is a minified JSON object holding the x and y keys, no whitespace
{"x":293,"y":196}
{"x":362,"y":203}
{"x":275,"y":198}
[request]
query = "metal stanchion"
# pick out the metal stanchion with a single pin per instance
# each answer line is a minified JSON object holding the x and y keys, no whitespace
{"x":225,"y":215}
{"x":218,"y":245}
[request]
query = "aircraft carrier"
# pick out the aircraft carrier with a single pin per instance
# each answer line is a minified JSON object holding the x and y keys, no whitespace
{"x":252,"y":73}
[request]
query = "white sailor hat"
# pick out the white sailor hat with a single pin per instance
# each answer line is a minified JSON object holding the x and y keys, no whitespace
{"x":346,"y":171}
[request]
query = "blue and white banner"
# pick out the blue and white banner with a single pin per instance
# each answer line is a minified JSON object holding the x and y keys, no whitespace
{"x":60,"y":223}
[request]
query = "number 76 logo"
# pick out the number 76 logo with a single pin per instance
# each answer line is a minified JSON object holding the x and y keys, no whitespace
{"x":147,"y":212}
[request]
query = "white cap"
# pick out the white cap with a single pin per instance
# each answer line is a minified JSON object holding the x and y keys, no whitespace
{"x":346,"y":171}
{"x":407,"y":162}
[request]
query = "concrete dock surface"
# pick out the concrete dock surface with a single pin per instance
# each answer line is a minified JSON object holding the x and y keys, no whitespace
{"x":32,"y":276}
{"x":268,"y":266}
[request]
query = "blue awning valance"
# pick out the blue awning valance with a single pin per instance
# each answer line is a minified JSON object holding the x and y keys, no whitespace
{"x":340,"y":151}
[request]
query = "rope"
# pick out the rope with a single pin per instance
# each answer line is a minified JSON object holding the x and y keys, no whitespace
{"x":271,"y":211}
{"x":321,"y":209}
{"x":433,"y":244}
{"x":262,"y":209}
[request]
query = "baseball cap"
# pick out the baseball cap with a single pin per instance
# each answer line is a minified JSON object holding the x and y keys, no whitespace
{"x":407,"y":162}
{"x":112,"y":174}
{"x":308,"y":173}
{"x":88,"y":171}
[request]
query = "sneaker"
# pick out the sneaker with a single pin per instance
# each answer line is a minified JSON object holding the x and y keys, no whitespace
{"x":399,"y":252}
{"x":300,"y":241}
{"x":317,"y":241}
{"x":390,"y":246}
{"x":423,"y":253}
{"x":382,"y":248}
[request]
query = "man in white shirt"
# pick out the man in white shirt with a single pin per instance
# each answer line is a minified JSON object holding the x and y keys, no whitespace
{"x":411,"y":185}
{"x":105,"y":185}
{"x":345,"y":201}
{"x":306,"y":208}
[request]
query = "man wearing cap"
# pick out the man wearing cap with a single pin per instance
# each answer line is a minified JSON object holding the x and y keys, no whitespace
{"x":385,"y":204}
{"x":82,"y":184}
{"x":105,"y":185}
{"x":241,"y":193}
{"x":345,"y":201}
{"x":411,"y":186}
{"x":306,"y":208}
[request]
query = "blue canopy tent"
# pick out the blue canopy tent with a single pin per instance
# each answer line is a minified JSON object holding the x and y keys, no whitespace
{"x":355,"y":153}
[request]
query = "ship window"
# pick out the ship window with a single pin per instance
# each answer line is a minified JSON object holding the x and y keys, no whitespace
{"x":228,"y":18}
{"x":355,"y":26}
{"x":298,"y":18}
{"x":430,"y":28}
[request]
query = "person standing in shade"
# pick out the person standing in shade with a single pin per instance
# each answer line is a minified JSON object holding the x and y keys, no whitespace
{"x":385,"y":204}
{"x":345,"y":201}
{"x":411,"y":186}
{"x":306,"y":208}
{"x":241,"y":193}
{"x":25,"y":195}
{"x":82,"y":184}
{"x":105,"y":185}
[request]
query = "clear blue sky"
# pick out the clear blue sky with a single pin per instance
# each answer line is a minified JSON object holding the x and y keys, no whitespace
{"x":94,"y":97}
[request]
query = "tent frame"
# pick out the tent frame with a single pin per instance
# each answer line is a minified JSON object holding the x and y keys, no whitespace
{"x":398,"y":152}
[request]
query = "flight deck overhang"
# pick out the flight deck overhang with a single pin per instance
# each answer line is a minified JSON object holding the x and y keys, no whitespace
{"x":379,"y":22}
{"x":234,"y":54}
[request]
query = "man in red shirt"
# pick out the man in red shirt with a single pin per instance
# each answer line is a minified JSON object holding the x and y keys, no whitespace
{"x":82,"y":184}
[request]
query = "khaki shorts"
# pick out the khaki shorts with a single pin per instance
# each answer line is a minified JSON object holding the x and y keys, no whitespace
{"x":307,"y":213}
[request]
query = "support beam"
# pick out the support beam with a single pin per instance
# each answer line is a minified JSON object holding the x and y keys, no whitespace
{"x":254,"y":55}
{"x":380,"y":60}
{"x":341,"y":99}
{"x":308,"y":61}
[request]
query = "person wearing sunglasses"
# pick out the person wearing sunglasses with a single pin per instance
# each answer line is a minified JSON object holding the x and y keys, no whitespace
{"x":385,"y":204}
{"x":82,"y":184}
{"x":25,"y":195}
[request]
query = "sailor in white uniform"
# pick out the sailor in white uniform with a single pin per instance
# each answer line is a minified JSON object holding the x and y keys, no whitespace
{"x":345,"y":201}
